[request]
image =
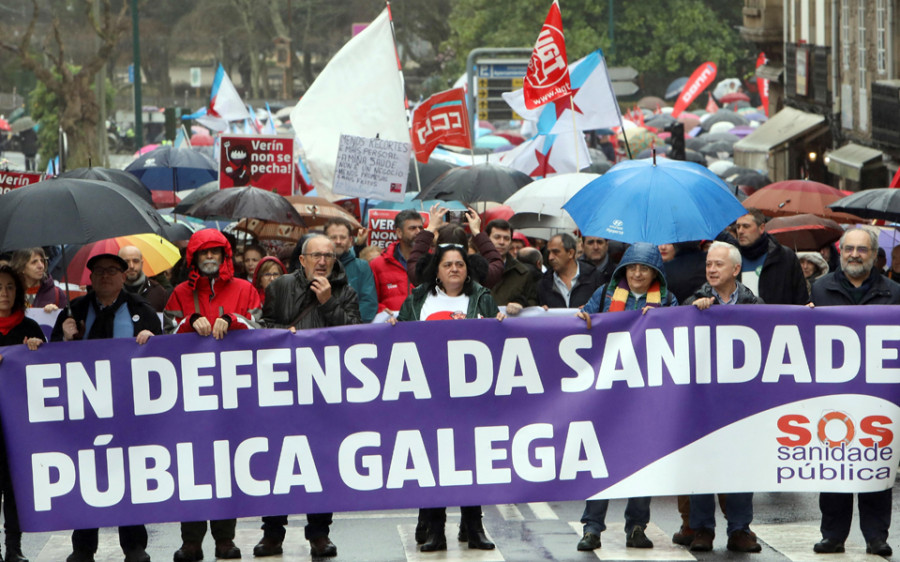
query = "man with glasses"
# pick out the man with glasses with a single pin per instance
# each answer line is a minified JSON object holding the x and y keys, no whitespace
{"x":317,"y":295}
{"x":858,"y":282}
{"x":212,"y":302}
{"x":108,"y":311}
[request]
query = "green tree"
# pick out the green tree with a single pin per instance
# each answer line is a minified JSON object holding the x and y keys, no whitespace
{"x":71,"y":86}
{"x":661,"y":39}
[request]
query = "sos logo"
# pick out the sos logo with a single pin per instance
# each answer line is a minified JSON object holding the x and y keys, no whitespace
{"x":835,"y":429}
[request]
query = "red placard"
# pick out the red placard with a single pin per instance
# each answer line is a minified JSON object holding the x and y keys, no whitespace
{"x":13,"y":180}
{"x":351,"y":205}
{"x":381,"y":226}
{"x":547,"y":78}
{"x":265,"y":161}
{"x":442,"y":118}
{"x":699,"y":80}
{"x":762,"y":85}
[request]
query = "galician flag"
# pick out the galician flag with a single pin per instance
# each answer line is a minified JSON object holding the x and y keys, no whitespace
{"x":225,"y":103}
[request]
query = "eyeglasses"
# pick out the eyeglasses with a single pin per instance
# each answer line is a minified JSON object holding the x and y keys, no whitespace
{"x":316,"y":256}
{"x":861,"y":250}
{"x":107,"y":271}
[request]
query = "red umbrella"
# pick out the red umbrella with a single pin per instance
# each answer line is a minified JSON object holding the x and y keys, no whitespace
{"x":4,"y":125}
{"x":201,"y":138}
{"x":804,"y":232}
{"x":734,"y":96}
{"x":497,"y":212}
{"x":795,"y":197}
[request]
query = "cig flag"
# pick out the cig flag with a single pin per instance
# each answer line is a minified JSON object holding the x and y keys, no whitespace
{"x":442,"y":118}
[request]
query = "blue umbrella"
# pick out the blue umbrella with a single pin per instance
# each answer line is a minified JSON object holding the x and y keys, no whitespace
{"x":675,"y":87}
{"x":173,"y":169}
{"x":659,"y":202}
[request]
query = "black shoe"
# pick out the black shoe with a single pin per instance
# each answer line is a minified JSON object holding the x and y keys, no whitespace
{"x":14,"y":554}
{"x":80,"y":556}
{"x":322,"y":547}
{"x":436,"y":540}
{"x":227,"y":550}
{"x":879,"y":548}
{"x":189,"y":552}
{"x":463,"y":534}
{"x":478,"y":540}
{"x":267,"y":546}
{"x":421,"y":532}
{"x":589,"y":541}
{"x":137,"y":555}
{"x":637,"y":539}
{"x":828,"y":546}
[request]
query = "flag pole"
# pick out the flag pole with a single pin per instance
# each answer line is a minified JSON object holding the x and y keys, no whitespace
{"x":574,"y":129}
{"x":403,"y":85}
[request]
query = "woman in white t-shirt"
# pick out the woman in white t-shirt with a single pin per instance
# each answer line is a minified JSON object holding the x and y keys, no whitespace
{"x":448,"y":292}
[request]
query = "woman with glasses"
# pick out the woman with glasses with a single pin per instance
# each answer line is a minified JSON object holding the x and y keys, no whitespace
{"x":448,"y":292}
{"x":40,"y":290}
{"x":267,"y":270}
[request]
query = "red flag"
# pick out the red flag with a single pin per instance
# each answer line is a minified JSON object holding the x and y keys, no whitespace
{"x":699,"y":80}
{"x":547,"y":78}
{"x":896,"y":181}
{"x":762,"y":84}
{"x":711,"y":106}
{"x":442,"y":118}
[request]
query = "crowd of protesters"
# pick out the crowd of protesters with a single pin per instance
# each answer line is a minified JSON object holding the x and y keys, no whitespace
{"x":445,"y":271}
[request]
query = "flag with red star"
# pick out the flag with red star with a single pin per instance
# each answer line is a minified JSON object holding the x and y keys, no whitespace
{"x":545,"y":155}
{"x":593,"y":101}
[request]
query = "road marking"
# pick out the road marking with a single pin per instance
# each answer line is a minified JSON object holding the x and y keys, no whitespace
{"x":510,"y":512}
{"x":614,"y":544}
{"x":455,"y":549}
{"x":542,"y":510}
{"x":796,"y":540}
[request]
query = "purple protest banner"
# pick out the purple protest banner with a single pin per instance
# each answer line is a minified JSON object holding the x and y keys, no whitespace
{"x":676,"y":401}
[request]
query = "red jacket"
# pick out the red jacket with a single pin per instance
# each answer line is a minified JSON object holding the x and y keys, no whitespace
{"x":391,"y":281}
{"x":227,"y":297}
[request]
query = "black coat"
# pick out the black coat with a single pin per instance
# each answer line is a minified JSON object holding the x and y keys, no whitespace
{"x":781,"y":280}
{"x":27,"y":328}
{"x":686,"y":273}
{"x":143,"y":316}
{"x":830,"y":291}
{"x":589,"y":280}
{"x":745,"y":295}
{"x":289,"y":296}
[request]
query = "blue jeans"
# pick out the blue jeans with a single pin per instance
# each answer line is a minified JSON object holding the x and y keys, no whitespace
{"x":637,"y":514}
{"x":738,"y":511}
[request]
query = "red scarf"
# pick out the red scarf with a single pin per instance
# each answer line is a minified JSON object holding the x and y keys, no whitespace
{"x":11,"y":321}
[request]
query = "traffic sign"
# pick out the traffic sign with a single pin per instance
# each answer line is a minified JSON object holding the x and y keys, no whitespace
{"x":621,"y":78}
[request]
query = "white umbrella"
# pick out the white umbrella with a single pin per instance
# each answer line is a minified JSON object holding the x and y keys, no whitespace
{"x":547,"y":196}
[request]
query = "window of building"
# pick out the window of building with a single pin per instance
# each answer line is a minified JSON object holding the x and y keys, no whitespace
{"x":880,"y":37}
{"x":861,"y":43}
{"x":845,"y":34}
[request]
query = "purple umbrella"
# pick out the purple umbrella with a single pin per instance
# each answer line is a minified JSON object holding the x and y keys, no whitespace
{"x":742,"y":131}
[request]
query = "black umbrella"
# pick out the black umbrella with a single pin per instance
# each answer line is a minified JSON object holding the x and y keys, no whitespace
{"x":72,"y":211}
{"x":881,"y":203}
{"x":660,"y":121}
{"x":427,"y":172}
{"x":482,"y":182}
{"x":247,"y":202}
{"x":716,"y":137}
{"x":196,"y":196}
{"x":724,"y":115}
{"x":694,"y":143}
{"x":118,"y":177}
{"x":675,"y":87}
{"x":752,"y":179}
{"x":598,"y":167}
{"x":717,"y":149}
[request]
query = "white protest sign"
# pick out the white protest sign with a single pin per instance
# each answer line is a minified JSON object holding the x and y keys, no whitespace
{"x":371,"y":168}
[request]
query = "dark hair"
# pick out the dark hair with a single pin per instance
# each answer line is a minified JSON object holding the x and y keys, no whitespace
{"x":429,"y":276}
{"x":452,"y":234}
{"x":19,"y":300}
{"x":758,"y":217}
{"x":499,"y":224}
{"x":256,"y":248}
{"x":405,"y":215}
{"x":567,"y":240}
{"x":338,"y":221}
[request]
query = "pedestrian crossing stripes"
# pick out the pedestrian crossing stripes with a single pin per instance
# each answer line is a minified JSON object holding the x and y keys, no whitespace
{"x":455,"y":550}
{"x":796,"y":541}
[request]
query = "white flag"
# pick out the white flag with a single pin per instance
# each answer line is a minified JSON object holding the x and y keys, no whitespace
{"x":358,"y":93}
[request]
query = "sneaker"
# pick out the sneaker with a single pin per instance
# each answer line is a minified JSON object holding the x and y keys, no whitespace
{"x":743,"y":541}
{"x":703,"y":540}
{"x":683,"y":536}
{"x":637,"y":539}
{"x":589,"y":541}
